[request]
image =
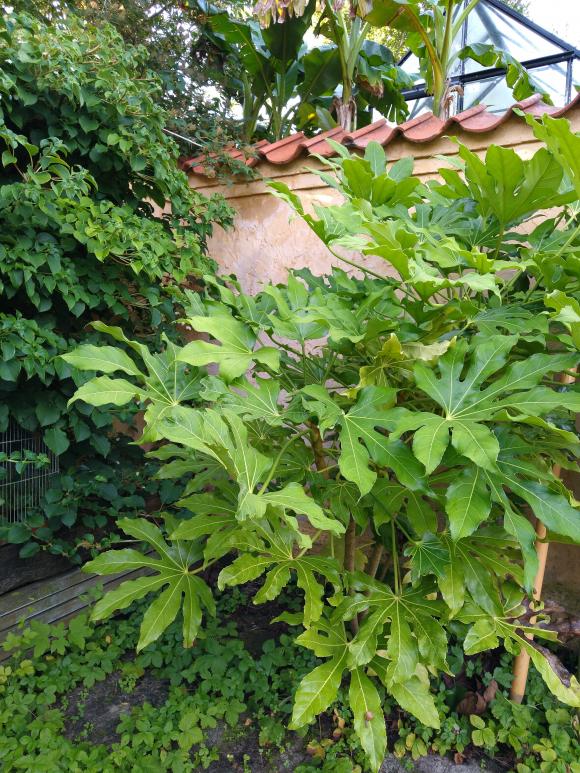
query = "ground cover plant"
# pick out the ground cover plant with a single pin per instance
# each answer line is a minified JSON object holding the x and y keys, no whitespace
{"x":85,"y":161}
{"x":77,"y":698}
{"x":383,"y":441}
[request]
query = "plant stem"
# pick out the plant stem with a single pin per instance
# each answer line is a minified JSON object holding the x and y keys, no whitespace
{"x":318,"y":450}
{"x":375,"y":560}
{"x":277,"y":460}
{"x":349,"y":559}
{"x":395,"y":558}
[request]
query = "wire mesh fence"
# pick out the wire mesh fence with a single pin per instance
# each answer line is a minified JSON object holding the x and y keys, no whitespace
{"x":26,"y":467}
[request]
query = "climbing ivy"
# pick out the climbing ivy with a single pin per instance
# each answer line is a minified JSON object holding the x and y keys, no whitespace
{"x":96,"y":220}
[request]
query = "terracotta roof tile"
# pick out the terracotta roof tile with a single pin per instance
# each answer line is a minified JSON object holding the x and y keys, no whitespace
{"x":320,"y":146}
{"x":284,"y":151}
{"x":379,"y":131}
{"x":424,"y":128}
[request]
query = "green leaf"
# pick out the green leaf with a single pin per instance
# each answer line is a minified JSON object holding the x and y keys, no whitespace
{"x":468,"y":502}
{"x":161,"y":613}
{"x":359,"y":176}
{"x":430,"y":442}
{"x":125,"y":594}
{"x":564,"y":686}
{"x":236,"y":353}
{"x":481,"y":637}
{"x":103,"y":390}
{"x":56,"y":440}
{"x":293,"y":497}
{"x":375,"y":155}
{"x":107,"y":359}
{"x":476,"y":442}
{"x":452,"y":583}
{"x":553,"y":510}
{"x":369,"y":720}
{"x":317,"y":690}
{"x":244,"y":569}
{"x":128,"y":559}
{"x":360,"y":442}
{"x":414,"y":696}
{"x":561,"y":141}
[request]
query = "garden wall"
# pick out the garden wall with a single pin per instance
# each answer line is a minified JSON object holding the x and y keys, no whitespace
{"x":265,"y":242}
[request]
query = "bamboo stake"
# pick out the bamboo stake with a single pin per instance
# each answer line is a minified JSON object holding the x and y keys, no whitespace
{"x":522,"y":661}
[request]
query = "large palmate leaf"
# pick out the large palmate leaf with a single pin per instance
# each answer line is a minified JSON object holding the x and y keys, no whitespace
{"x":414,"y":630}
{"x":361,"y":440}
{"x":279,"y":554}
{"x":170,"y":569}
{"x":224,"y":437}
{"x":162,"y":384}
{"x":467,"y":400}
{"x":505,"y":186}
{"x":486,"y":632}
{"x":236,"y":351}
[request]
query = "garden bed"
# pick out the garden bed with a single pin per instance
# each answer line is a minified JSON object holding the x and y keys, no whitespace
{"x":80,"y":699}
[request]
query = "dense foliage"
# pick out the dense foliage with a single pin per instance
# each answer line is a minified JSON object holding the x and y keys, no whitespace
{"x":86,"y":169}
{"x":66,"y":692}
{"x":383,"y":439}
{"x":431,"y":30}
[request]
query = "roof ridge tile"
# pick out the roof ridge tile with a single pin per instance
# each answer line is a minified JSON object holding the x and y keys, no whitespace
{"x":421,"y":129}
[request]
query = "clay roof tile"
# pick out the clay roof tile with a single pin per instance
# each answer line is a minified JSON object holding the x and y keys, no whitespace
{"x":379,"y":131}
{"x":424,"y":128}
{"x":284,"y":151}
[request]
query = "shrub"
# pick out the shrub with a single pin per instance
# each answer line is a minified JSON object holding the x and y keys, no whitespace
{"x":382,"y":440}
{"x":86,"y":169}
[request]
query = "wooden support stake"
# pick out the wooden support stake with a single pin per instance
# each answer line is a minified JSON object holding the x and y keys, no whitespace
{"x":522,"y":661}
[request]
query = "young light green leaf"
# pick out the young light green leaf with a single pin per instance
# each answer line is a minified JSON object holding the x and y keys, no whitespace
{"x":103,"y":390}
{"x":369,"y":720}
{"x":236,"y":352}
{"x":317,"y":690}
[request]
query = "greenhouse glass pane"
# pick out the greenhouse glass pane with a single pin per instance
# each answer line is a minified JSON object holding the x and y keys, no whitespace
{"x":552,"y":79}
{"x":419,"y":106}
{"x":486,"y":24}
{"x":493,"y":92}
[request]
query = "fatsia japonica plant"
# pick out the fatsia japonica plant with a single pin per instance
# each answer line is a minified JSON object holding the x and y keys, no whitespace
{"x":384,"y":441}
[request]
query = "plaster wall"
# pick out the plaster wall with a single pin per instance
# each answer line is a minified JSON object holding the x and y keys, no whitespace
{"x":267,"y":240}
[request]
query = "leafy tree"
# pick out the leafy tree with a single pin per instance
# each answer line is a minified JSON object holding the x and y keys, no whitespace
{"x":177,"y":51}
{"x":381,"y":440}
{"x":96,"y":218}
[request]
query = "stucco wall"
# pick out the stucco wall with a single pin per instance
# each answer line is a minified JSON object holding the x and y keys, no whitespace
{"x":267,"y":240}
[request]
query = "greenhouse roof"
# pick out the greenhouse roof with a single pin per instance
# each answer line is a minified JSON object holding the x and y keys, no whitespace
{"x":553,"y":63}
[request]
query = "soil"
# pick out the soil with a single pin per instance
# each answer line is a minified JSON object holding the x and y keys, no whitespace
{"x":99,"y":709}
{"x":94,"y":715}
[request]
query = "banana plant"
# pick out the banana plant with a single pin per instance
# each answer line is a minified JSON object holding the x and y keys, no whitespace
{"x":344,"y":80}
{"x":378,"y":441}
{"x":433,"y":29}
